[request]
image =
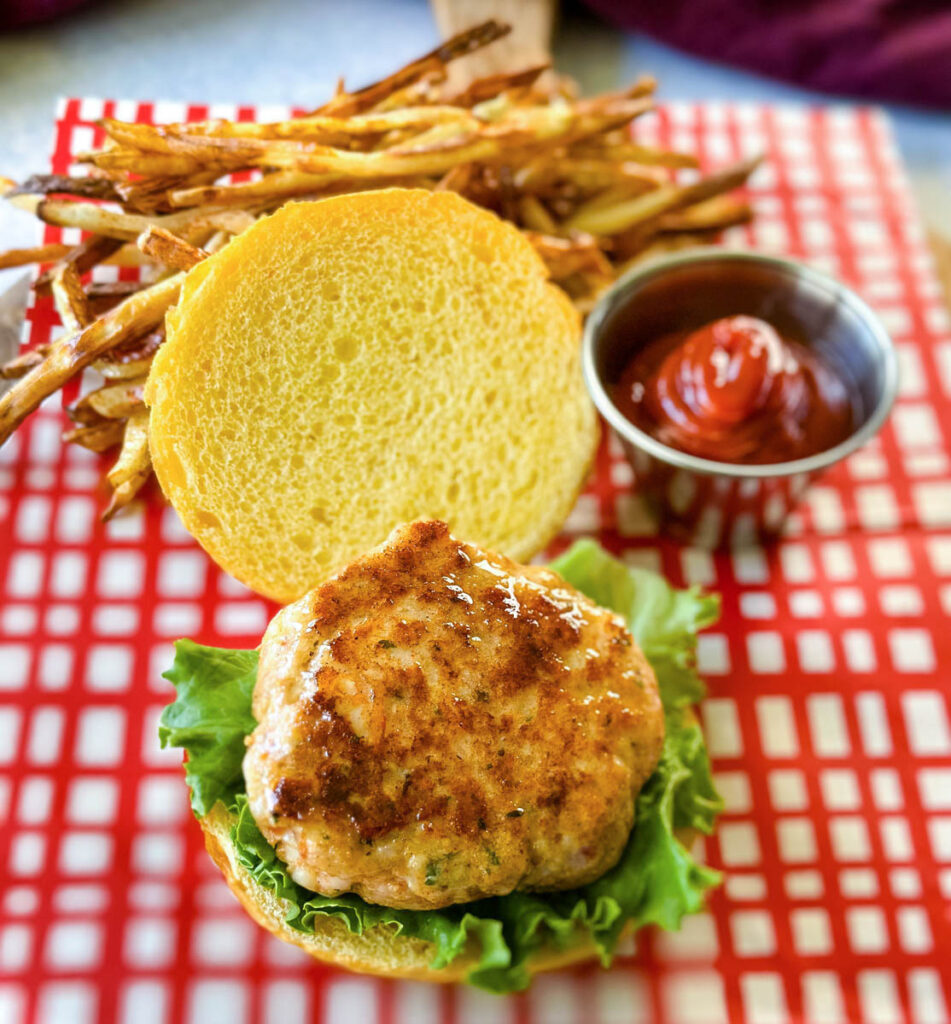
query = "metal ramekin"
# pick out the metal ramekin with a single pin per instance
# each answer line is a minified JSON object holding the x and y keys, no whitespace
{"x":709,"y":503}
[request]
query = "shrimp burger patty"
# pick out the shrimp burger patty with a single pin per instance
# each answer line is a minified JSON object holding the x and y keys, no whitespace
{"x":438,"y":724}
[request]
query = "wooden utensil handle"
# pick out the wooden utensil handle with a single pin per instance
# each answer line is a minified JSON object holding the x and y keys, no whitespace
{"x":528,"y":43}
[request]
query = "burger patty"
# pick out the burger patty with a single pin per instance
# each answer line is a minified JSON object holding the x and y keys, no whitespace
{"x":438,"y":723}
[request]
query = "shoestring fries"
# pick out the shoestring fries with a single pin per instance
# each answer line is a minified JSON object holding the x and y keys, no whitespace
{"x":567,"y":171}
{"x":75,"y":350}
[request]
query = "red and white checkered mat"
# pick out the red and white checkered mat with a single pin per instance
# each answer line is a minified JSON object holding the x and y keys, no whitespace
{"x":828,"y":719}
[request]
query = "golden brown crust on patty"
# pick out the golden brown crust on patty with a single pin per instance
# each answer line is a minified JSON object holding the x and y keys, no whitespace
{"x":439,"y":724}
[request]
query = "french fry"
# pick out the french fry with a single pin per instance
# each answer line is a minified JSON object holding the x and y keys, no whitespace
{"x":613,"y":195}
{"x":20,"y":365}
{"x":150,"y":195}
{"x":348,"y":104}
{"x":710,"y":215}
{"x":663,"y":246}
{"x":116,"y":401}
{"x":133,"y":466}
{"x":425,"y":91}
{"x":72,"y":352}
{"x":166,"y":142}
{"x":164,"y":247}
{"x":217,"y":241}
{"x":274,"y":189}
{"x":587,"y":175}
{"x":483,"y":89}
{"x":313,"y":158}
{"x":612,"y":220}
{"x":646,"y":85}
{"x":231,"y":221}
{"x":624,"y":214}
{"x":127,"y":255}
{"x":167,"y":164}
{"x":82,"y":258}
{"x":439,"y":136}
{"x":118,"y":370}
{"x":567,"y":256}
{"x":70,"y":299}
{"x":534,"y":215}
{"x":97,"y":290}
{"x":102,"y":221}
{"x":132,"y":135}
{"x":49,"y":184}
{"x":622,"y":149}
{"x":456,"y":179}
{"x":97,"y":437}
{"x":38,"y":254}
{"x":133,"y":358}
{"x":316,"y":128}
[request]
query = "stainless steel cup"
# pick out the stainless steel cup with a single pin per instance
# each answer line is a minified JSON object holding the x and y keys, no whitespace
{"x":710,"y":503}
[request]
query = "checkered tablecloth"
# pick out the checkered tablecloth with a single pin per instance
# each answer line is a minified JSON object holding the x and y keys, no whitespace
{"x":828,"y":719}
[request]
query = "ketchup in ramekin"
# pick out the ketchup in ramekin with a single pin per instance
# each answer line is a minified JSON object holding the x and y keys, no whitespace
{"x":736,"y":390}
{"x":732,"y":380}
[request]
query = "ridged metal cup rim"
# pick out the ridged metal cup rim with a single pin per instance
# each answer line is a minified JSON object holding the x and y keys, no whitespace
{"x":837,"y":292}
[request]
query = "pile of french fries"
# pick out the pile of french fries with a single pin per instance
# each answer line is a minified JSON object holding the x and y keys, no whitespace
{"x":565,"y":170}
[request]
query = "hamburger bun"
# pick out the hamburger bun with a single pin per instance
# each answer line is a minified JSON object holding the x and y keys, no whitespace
{"x":353,"y":363}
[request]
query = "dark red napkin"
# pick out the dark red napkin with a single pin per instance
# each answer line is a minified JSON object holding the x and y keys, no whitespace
{"x":886,"y":49}
{"x":16,"y":13}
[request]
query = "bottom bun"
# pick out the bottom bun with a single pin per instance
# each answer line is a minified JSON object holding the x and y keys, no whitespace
{"x":379,"y":950}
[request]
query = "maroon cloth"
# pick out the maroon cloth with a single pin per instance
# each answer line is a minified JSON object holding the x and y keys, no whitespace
{"x":16,"y":13}
{"x":886,"y":49}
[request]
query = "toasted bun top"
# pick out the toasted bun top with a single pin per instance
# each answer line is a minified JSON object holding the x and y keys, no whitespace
{"x":349,"y":364}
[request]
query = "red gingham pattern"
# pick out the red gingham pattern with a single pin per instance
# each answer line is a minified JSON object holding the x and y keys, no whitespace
{"x":828,"y":719}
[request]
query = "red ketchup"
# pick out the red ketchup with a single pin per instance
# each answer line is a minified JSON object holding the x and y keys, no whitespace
{"x":735,"y":391}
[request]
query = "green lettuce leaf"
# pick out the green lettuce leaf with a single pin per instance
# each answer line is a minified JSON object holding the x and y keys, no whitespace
{"x":210,"y":718}
{"x":696,"y":800}
{"x":656,"y":881}
{"x":663,"y":620}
